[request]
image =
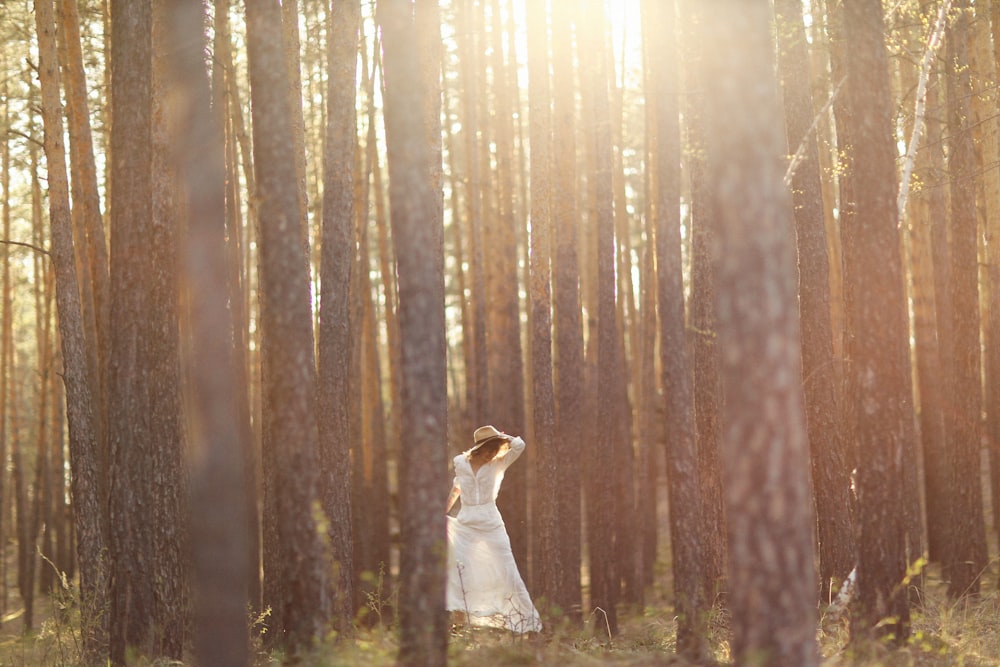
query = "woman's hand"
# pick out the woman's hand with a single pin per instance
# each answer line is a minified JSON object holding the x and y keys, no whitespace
{"x":452,"y":497}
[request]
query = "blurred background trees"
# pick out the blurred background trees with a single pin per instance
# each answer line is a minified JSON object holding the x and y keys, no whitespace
{"x":555,"y":217}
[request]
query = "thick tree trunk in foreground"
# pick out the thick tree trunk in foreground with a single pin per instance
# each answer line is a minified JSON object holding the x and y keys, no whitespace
{"x":418,"y":233}
{"x":765,"y":451}
{"x":218,"y":527}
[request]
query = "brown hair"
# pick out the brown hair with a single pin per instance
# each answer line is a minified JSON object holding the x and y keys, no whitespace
{"x":487,"y":451}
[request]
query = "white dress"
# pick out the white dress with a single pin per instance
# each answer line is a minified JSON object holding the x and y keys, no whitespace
{"x":483,"y":580}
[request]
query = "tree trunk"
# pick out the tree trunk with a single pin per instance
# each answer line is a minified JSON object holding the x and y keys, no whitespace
{"x":6,"y":346}
{"x":469,"y":59}
{"x":336,"y":325}
{"x":926,"y":207}
{"x":546,"y":556}
{"x":133,"y":597}
{"x":765,"y":449}
{"x":418,"y":234}
{"x":831,"y":475}
{"x":160,"y":359}
{"x":993,"y":325}
{"x":83,"y":428}
{"x":506,"y":374}
{"x":223,"y":104}
{"x":681,"y":455}
{"x":701,"y":330}
{"x":218,"y":501}
{"x":374,"y":545}
{"x":289,"y":369}
{"x":880,"y":357}
{"x":966,"y":557}
{"x":986,"y":140}
{"x":602,"y":486}
{"x":568,"y":368}
{"x":90,"y":243}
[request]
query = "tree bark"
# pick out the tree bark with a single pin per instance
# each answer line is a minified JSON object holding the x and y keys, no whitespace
{"x":966,"y":557}
{"x":880,"y":356}
{"x":831,"y":475}
{"x":160,"y":359}
{"x":91,"y":528}
{"x":764,"y":445}
{"x":218,"y":500}
{"x":546,"y":556}
{"x":925,"y":209}
{"x":567,"y":318}
{"x":702,"y":327}
{"x":133,"y":603}
{"x":336,"y":325}
{"x":92,"y":253}
{"x":503,"y":332}
{"x":289,"y":369}
{"x":418,"y":233}
{"x":603,"y":483}
{"x":681,"y":455}
{"x":986,"y":141}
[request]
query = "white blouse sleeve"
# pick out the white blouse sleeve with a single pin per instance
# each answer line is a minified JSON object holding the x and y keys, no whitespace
{"x":516,"y":449}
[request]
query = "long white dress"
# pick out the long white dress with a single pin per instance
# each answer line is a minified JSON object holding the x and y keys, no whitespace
{"x":483,"y":580}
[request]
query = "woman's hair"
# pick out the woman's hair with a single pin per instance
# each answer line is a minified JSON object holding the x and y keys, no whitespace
{"x":488,"y":451}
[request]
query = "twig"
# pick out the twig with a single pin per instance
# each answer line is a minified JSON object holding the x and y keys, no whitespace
{"x":607,"y":624}
{"x":801,"y":150}
{"x":26,"y":137}
{"x":921,"y":108}
{"x":27,"y":245}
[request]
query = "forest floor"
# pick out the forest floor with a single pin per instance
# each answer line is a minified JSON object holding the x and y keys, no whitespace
{"x":944,"y":634}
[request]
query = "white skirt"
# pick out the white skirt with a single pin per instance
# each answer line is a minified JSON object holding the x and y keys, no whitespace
{"x":483,"y":580}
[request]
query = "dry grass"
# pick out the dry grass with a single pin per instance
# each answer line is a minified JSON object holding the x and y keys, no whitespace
{"x":945,"y":634}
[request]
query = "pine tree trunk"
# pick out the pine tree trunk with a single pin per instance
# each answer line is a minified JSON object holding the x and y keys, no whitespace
{"x":336,"y":326}
{"x":680,"y":452}
{"x":160,"y":359}
{"x":418,"y":235}
{"x":89,"y":242}
{"x":223,"y":103}
{"x":289,"y":370}
{"x":877,"y":317}
{"x":830,"y":472}
{"x":966,"y":558}
{"x":506,"y":374}
{"x":567,"y":318}
{"x":220,"y":556}
{"x":6,"y":351}
{"x":546,"y":556}
{"x":83,"y":427}
{"x":927,"y":206}
{"x":702,"y":328}
{"x":765,"y":448}
{"x":987,"y":144}
{"x":603,"y":489}
{"x":469,"y":56}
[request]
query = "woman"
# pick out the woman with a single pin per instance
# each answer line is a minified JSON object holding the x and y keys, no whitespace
{"x":483,"y":581}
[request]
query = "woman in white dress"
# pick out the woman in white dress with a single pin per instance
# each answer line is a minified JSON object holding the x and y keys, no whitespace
{"x":483,"y":581}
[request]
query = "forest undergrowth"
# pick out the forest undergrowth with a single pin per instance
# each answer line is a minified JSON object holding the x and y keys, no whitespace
{"x":944,"y":634}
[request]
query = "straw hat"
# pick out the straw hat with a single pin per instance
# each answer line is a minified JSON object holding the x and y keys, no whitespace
{"x":484,"y":434}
